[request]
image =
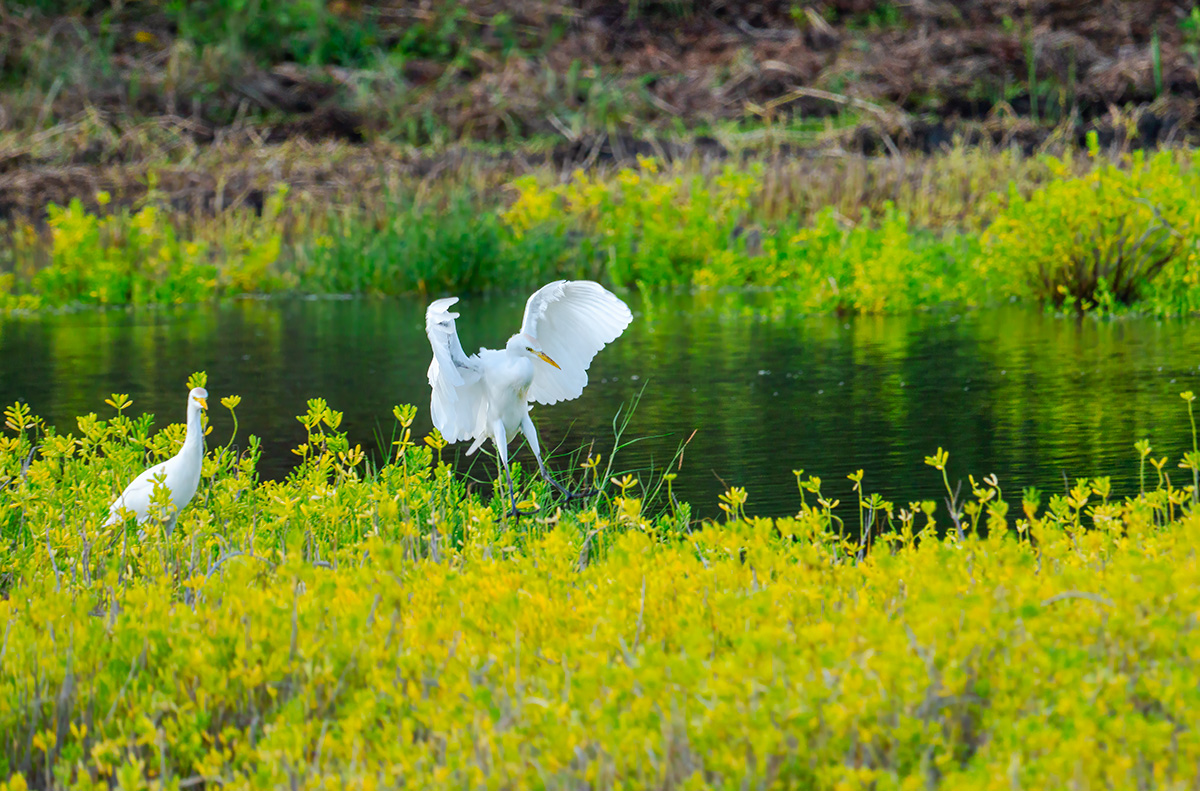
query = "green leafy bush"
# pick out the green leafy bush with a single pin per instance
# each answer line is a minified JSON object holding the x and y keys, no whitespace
{"x":140,"y":257}
{"x":640,"y":226}
{"x":1103,"y":238}
{"x":873,"y":266}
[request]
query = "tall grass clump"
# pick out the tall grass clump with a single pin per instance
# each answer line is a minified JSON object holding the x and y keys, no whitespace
{"x":457,"y":243}
{"x":362,"y":623}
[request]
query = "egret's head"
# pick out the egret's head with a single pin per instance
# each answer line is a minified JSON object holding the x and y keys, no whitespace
{"x":524,"y":344}
{"x":199,"y":396}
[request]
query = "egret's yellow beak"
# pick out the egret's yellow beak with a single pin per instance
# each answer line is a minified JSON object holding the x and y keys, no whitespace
{"x":203,"y":402}
{"x":546,"y":357}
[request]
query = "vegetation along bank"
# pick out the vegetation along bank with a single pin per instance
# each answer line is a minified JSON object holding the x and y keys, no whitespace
{"x":1078,"y":232}
{"x":371,"y":625}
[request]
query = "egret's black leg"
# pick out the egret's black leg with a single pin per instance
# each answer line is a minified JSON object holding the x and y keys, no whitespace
{"x":531,"y":434}
{"x":512,"y":494}
{"x":500,"y":438}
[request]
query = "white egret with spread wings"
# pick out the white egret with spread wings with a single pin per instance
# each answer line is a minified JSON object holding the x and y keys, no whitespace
{"x":489,"y":394}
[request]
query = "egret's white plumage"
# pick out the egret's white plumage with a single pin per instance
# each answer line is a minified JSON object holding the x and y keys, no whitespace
{"x":488,"y":394}
{"x":180,"y":473}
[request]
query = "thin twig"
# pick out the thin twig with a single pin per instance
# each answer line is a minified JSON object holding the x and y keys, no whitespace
{"x":1078,"y":595}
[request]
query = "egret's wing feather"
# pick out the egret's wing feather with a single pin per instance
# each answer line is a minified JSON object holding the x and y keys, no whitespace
{"x":136,"y":496}
{"x":458,"y":405}
{"x":571,"y":320}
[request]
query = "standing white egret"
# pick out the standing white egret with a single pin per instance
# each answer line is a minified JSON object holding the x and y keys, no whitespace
{"x":489,"y":394}
{"x":182,"y":472}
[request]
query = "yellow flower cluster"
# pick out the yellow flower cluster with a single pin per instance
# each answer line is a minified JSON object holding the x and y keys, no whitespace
{"x":361,"y":628}
{"x":652,"y":227}
{"x":644,"y":225}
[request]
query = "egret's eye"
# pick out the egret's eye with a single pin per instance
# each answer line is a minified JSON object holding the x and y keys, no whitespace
{"x":529,"y":349}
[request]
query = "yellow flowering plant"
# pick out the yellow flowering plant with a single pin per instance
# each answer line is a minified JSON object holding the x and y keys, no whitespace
{"x":644,"y":225}
{"x":365,"y":626}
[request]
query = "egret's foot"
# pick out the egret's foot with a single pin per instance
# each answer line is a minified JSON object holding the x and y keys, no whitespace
{"x":567,"y":493}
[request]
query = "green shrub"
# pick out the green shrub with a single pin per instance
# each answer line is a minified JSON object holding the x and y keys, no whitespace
{"x":1100,"y":239}
{"x":873,"y":266}
{"x":302,"y":30}
{"x":141,"y":257}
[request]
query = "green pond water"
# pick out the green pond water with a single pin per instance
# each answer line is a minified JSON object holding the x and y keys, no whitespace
{"x":1026,"y":396}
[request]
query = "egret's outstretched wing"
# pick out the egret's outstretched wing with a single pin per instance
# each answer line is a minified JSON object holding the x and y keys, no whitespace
{"x":457,"y":405}
{"x":571,"y":321}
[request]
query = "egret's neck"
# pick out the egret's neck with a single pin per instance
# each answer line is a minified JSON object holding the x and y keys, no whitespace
{"x":517,"y":345}
{"x":195,"y":429}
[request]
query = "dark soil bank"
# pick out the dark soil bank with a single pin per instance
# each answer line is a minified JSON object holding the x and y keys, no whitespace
{"x":94,"y":84}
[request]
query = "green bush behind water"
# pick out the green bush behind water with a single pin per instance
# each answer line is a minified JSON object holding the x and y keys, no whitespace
{"x":1110,"y":238}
